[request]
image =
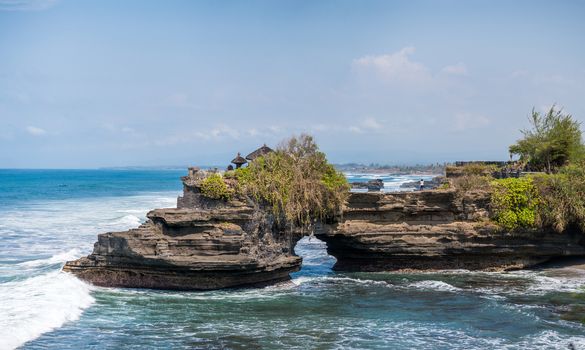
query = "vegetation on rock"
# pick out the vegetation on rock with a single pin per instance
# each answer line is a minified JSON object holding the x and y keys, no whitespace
{"x":215,"y":187}
{"x":472,"y":177}
{"x":553,"y":199}
{"x":563,"y":198}
{"x":514,"y":202}
{"x":295,"y":181}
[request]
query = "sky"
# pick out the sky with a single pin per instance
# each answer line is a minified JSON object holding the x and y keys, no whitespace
{"x":100,"y":83}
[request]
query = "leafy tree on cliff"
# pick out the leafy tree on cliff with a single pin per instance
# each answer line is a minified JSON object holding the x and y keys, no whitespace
{"x":296,"y":182}
{"x":553,"y":141}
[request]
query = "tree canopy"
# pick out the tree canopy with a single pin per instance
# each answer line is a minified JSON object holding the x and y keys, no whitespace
{"x":553,"y":141}
{"x":296,"y":181}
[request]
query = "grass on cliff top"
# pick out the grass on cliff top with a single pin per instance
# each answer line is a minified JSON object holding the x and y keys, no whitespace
{"x":562,"y":203}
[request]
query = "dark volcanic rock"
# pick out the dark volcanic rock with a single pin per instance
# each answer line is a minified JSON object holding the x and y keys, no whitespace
{"x":431,"y":230}
{"x":370,"y":185}
{"x":210,"y":244}
{"x":203,"y":244}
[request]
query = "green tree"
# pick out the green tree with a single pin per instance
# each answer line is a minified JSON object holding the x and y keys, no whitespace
{"x":295,"y":181}
{"x":553,"y":141}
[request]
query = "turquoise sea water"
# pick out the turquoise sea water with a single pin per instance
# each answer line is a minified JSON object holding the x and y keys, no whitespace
{"x":49,"y":217}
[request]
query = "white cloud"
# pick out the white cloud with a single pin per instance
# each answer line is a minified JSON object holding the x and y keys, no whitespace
{"x":371,"y":123}
{"x":35,"y":131}
{"x":220,"y":132}
{"x":26,"y":5}
{"x":465,"y":121}
{"x":395,"y":67}
{"x":320,"y":127}
{"x":253,"y":132}
{"x":356,"y":129}
{"x":456,"y":69}
{"x":367,"y":125}
{"x":223,"y":131}
{"x":398,"y":68}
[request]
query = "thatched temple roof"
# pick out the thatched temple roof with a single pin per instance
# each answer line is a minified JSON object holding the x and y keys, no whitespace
{"x":259,"y":152}
{"x":239,"y":160}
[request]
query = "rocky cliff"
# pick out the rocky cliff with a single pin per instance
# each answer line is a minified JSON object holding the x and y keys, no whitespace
{"x":429,"y":230}
{"x":210,"y":244}
{"x":201,"y":244}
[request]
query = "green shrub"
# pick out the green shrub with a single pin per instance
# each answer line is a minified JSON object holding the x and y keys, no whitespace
{"x":444,"y":186}
{"x":514,"y":202}
{"x":295,"y":181}
{"x":563,"y":198}
{"x":215,"y":187}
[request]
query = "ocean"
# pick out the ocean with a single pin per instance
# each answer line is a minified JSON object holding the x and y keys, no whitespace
{"x":50,"y":216}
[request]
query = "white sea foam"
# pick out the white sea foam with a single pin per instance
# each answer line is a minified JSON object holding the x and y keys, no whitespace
{"x":39,"y":304}
{"x":548,"y":340}
{"x":55,"y":259}
{"x":434,"y":285}
{"x":126,"y":221}
{"x":330,"y":279}
{"x":36,"y":297}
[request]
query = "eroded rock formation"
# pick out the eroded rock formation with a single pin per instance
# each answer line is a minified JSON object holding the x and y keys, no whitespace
{"x":201,"y":244}
{"x":430,"y":230}
{"x":210,"y":244}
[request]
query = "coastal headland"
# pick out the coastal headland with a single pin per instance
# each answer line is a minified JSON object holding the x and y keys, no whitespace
{"x":207,"y":243}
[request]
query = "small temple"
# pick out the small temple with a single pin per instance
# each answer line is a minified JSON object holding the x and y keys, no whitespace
{"x":259,"y":152}
{"x":239,"y":160}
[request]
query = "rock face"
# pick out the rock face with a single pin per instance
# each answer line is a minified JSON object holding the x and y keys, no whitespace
{"x":202,"y":244}
{"x":431,"y":230}
{"x":211,"y":244}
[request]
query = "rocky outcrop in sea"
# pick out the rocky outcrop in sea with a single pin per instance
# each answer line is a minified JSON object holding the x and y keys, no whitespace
{"x":433,"y":230}
{"x":202,"y":244}
{"x":211,"y":244}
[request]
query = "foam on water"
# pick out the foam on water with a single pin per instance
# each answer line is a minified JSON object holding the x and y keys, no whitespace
{"x":126,"y":220}
{"x":36,"y":239}
{"x":392,"y":182}
{"x":39,"y":304}
{"x":336,"y":280}
{"x":58,"y":258}
{"x":434,"y":285}
{"x":319,"y":308}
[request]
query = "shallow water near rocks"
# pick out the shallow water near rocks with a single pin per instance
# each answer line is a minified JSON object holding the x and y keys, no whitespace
{"x":43,"y":308}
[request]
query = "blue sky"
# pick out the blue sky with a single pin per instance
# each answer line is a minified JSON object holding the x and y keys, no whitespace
{"x":117,"y":83}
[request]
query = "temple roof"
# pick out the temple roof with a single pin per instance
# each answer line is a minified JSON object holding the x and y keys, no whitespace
{"x":259,"y":152}
{"x":239,"y":159}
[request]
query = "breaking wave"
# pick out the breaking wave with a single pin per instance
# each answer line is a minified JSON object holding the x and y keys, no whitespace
{"x":36,"y":239}
{"x":39,"y":304}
